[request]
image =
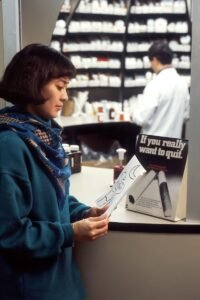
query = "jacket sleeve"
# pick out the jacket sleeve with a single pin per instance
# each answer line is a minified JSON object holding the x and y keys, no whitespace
{"x":18,"y":233}
{"x":77,"y":209}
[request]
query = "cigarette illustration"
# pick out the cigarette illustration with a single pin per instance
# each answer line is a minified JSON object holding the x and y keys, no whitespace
{"x":104,"y":199}
{"x":164,"y":194}
{"x":141,"y":186}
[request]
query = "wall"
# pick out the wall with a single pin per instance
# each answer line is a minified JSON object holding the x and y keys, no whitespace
{"x":141,"y":266}
{"x":194,"y":124}
{"x":38,"y":20}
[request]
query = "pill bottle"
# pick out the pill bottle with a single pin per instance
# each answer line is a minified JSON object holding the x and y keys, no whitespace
{"x":67,"y":152}
{"x":75,"y":156}
{"x":119,"y":167}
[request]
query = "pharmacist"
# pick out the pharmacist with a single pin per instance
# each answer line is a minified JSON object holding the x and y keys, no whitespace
{"x":164,"y":105}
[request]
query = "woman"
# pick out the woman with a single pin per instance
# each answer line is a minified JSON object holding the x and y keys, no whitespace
{"x":39,"y":220}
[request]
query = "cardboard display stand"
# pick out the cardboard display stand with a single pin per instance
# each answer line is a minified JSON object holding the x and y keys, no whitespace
{"x":162,"y":190}
{"x":154,"y":181}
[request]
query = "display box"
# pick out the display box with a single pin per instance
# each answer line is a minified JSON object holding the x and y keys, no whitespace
{"x":161,"y":191}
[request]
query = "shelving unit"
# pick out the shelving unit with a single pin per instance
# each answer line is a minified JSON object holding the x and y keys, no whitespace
{"x":108,"y":42}
{"x":146,"y":24}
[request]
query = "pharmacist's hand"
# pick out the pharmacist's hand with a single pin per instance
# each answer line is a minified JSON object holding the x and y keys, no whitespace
{"x":90,"y":229}
{"x":95,"y":211}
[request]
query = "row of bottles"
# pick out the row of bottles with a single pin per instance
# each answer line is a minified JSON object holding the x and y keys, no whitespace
{"x":108,"y":42}
{"x":74,"y":155}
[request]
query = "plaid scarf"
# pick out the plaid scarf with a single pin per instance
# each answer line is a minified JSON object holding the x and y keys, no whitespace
{"x":45,"y":141}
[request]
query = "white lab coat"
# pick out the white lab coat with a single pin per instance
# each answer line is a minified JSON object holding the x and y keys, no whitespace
{"x":164,"y":106}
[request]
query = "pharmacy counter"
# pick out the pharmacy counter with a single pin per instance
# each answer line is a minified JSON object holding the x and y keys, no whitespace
{"x":142,"y":257}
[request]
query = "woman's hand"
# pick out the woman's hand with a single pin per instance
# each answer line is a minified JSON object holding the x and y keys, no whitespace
{"x":95,"y":211}
{"x":91,"y":228}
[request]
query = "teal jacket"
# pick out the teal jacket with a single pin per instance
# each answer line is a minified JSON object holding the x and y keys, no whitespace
{"x":36,"y":238}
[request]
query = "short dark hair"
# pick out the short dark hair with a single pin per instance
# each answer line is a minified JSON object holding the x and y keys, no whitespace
{"x":29,"y":70}
{"x":161,"y":51}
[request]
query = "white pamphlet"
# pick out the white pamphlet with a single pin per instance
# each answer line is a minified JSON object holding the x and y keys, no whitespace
{"x":132,"y":171}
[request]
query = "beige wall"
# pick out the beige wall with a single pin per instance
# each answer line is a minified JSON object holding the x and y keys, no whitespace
{"x":38,"y":20}
{"x":141,"y":266}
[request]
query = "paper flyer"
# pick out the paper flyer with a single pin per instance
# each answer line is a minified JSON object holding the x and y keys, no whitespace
{"x":132,"y":172}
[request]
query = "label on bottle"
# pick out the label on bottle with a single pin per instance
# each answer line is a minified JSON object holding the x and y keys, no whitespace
{"x":117,"y":170}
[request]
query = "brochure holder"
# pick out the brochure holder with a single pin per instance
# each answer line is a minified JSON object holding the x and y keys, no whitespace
{"x":162,"y":190}
{"x":154,"y":181}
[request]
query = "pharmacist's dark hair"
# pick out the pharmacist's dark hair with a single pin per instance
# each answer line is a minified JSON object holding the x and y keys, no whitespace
{"x":29,"y":70}
{"x":161,"y":51}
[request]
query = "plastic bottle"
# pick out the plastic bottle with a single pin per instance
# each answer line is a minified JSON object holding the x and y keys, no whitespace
{"x":119,"y":168}
{"x":111,"y":113}
{"x":75,"y":158}
{"x":66,"y":148}
{"x":67,"y":151}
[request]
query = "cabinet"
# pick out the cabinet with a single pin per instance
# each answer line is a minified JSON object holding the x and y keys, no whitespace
{"x":108,"y":43}
{"x":99,"y":140}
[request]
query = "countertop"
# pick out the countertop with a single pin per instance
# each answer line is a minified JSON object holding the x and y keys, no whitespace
{"x":92,"y":182}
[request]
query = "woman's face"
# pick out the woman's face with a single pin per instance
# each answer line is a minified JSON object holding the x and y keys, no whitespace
{"x":55,"y":94}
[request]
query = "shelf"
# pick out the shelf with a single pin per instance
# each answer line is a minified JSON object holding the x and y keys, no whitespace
{"x":58,"y":37}
{"x":90,"y":16}
{"x":94,"y":33}
{"x":107,"y":69}
{"x":138,"y":87}
{"x":63,"y":14}
{"x":118,"y":53}
{"x":149,"y":69}
{"x":89,"y":52}
{"x":94,"y":87}
{"x":141,"y":70}
{"x":174,"y":16}
{"x":156,"y":34}
{"x":142,"y":53}
{"x":99,"y":15}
